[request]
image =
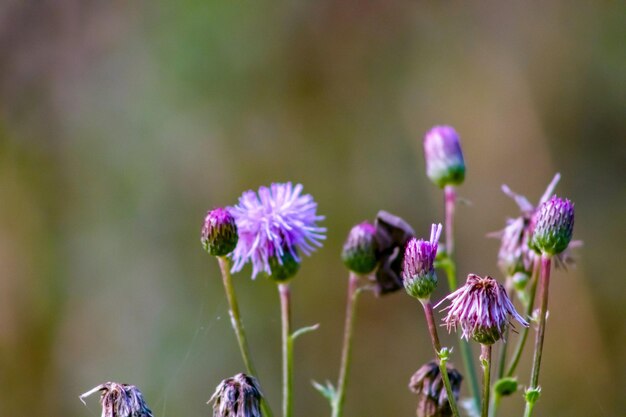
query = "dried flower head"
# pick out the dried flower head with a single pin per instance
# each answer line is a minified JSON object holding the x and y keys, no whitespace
{"x":219,"y":232}
{"x":444,"y":159}
{"x":274,"y":225}
{"x":553,"y":226}
{"x":482,"y":308}
{"x":238,"y":396}
{"x":392,"y":234}
{"x":359,"y":250}
{"x":418,"y":270}
{"x":427,"y":383}
{"x":120,"y":400}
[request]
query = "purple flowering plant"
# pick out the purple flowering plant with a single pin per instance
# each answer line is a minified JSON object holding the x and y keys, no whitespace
{"x":272,"y":228}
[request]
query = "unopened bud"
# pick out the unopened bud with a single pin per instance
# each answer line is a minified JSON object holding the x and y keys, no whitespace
{"x":553,"y":226}
{"x":359,"y":251}
{"x":444,"y":158}
{"x":219,"y":232}
{"x":418,"y":271}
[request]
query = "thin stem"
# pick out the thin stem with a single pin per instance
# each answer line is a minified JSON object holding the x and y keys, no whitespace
{"x":235,"y":320}
{"x":450,"y":268}
{"x":544,"y":285}
{"x":543,"y":295}
{"x":450,"y":200}
{"x":495,"y":403}
{"x":502,"y":355}
{"x":521,"y":342}
{"x":485,"y":360}
{"x":348,"y":331}
{"x":285,"y":315}
{"x":432,"y":329}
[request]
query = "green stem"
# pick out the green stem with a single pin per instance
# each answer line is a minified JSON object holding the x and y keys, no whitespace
{"x":502,"y":355}
{"x":544,"y":285}
{"x":443,"y":370}
{"x":287,"y":348}
{"x":485,"y":360}
{"x":495,"y":403}
{"x":449,"y":193}
{"x":521,"y":341}
{"x":235,"y":320}
{"x":348,"y":332}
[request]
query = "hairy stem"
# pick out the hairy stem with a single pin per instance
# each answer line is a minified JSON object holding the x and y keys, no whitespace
{"x":235,"y":320}
{"x":348,"y":331}
{"x":485,"y":360}
{"x":287,"y":348}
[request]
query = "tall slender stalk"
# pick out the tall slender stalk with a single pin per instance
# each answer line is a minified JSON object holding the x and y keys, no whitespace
{"x":441,"y":358}
{"x":287,"y":348}
{"x":485,"y":360}
{"x":521,"y":341}
{"x":348,"y":331}
{"x":450,"y":268}
{"x":544,"y":284}
{"x":235,"y":320}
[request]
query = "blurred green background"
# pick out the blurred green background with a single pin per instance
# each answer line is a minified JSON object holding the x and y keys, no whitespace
{"x":121,"y":123}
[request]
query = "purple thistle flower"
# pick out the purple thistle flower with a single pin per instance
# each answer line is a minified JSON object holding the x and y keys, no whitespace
{"x":239,"y":396}
{"x":515,"y":255}
{"x":553,"y":226}
{"x":274,"y":225}
{"x":482,"y":308}
{"x":219,"y":232}
{"x":120,"y":400}
{"x":444,"y":158}
{"x":418,"y":271}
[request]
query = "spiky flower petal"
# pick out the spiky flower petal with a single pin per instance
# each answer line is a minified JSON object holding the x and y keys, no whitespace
{"x":275,"y":224}
{"x":239,"y":396}
{"x":482,"y":308}
{"x":219,"y":232}
{"x":120,"y":400}
{"x":359,"y":250}
{"x":418,"y":270}
{"x":444,"y":159}
{"x":428,"y":384}
{"x":553,"y":226}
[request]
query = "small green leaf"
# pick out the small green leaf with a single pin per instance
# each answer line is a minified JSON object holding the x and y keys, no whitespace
{"x":328,"y":391}
{"x":304,"y":330}
{"x":505,"y":386}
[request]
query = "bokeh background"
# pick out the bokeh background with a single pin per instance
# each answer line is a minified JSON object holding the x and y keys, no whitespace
{"x":121,"y":123}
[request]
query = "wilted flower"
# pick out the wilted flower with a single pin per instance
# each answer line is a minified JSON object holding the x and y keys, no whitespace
{"x":427,"y":383}
{"x":515,"y":256}
{"x":418,"y":270}
{"x":120,"y":400}
{"x":238,"y":396}
{"x":392,"y":234}
{"x":359,"y":250}
{"x":274,"y":225}
{"x":219,"y":232}
{"x":482,"y":308}
{"x":553,"y":226}
{"x":444,"y":158}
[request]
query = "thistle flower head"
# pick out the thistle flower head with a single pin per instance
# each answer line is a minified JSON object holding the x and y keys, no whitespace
{"x":359,"y":250}
{"x":553,"y":226}
{"x":392,"y":235}
{"x":444,"y":159}
{"x":418,"y":270}
{"x":219,"y":232}
{"x":427,"y":383}
{"x":515,"y":255}
{"x":238,"y":396}
{"x":120,"y":400}
{"x":482,"y":308}
{"x":274,"y":225}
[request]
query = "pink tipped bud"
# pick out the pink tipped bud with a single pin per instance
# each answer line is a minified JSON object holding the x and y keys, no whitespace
{"x":219,"y":232}
{"x":553,"y":226}
{"x":444,"y":159}
{"x":418,"y":270}
{"x":359,"y":251}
